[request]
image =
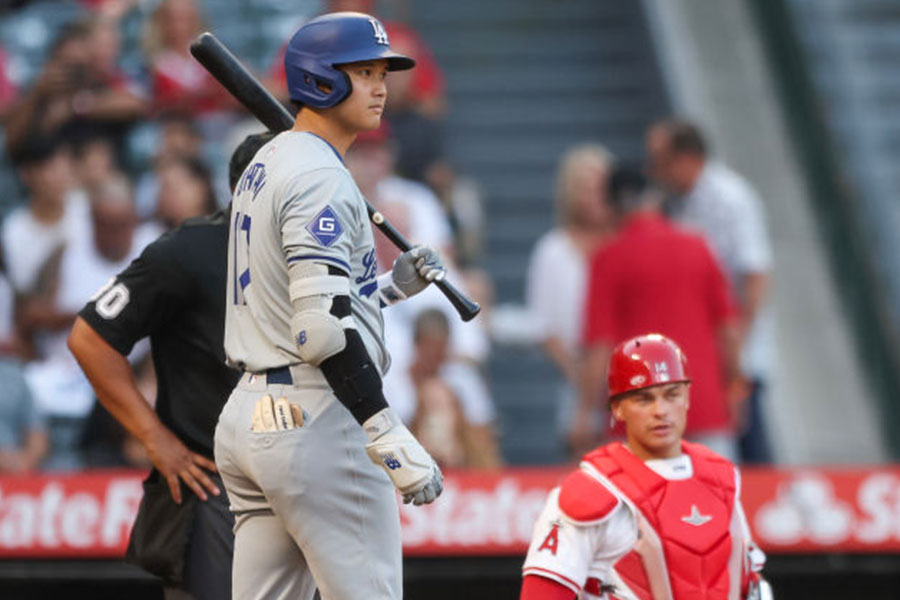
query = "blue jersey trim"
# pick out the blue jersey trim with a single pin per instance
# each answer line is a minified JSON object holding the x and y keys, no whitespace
{"x":333,"y":149}
{"x":337,"y":261}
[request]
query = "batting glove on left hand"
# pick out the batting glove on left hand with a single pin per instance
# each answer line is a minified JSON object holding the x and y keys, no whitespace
{"x":416,"y":268}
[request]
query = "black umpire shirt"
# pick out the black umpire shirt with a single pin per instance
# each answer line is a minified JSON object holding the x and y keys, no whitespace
{"x":175,"y":293}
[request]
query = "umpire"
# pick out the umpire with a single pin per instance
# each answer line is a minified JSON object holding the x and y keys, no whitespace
{"x":173,"y":293}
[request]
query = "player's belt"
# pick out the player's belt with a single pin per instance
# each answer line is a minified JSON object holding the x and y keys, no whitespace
{"x":279,"y":375}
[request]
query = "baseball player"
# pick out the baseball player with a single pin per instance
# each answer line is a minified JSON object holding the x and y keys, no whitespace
{"x":655,"y":518}
{"x":173,"y":293}
{"x":298,"y":437}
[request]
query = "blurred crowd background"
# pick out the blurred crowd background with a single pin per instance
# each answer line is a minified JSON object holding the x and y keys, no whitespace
{"x":591,"y":170}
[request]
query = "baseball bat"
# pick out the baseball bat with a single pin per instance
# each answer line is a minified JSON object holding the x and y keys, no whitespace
{"x":246,"y":89}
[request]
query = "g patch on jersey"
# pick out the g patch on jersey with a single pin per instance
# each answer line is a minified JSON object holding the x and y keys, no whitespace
{"x":325,"y":227}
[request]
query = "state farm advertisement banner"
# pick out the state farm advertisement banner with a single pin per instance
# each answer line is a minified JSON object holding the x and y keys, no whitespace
{"x":803,"y":511}
{"x":82,"y":515}
{"x":841,"y":510}
{"x":479,"y":513}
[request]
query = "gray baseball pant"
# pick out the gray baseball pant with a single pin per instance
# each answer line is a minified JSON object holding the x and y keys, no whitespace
{"x":310,"y":508}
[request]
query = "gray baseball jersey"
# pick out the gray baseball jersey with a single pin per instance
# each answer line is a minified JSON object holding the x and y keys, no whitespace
{"x":296,"y":201}
{"x":312,"y":488}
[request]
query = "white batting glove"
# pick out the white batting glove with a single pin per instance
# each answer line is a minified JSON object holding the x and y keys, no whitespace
{"x":394,"y":449}
{"x":412,"y":272}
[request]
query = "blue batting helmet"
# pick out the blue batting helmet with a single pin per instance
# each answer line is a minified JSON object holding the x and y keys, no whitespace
{"x":330,"y":40}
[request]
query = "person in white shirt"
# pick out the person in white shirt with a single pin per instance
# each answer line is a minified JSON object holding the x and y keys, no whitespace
{"x":724,"y":207}
{"x":60,"y":389}
{"x":56,"y":213}
{"x":558,"y":268}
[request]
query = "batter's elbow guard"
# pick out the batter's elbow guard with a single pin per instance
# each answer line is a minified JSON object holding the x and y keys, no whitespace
{"x":354,"y":379}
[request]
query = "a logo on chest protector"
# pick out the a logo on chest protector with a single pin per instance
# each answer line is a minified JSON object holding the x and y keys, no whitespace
{"x":391,"y":462}
{"x":301,"y":338}
{"x":695,"y":518}
{"x":325,"y":227}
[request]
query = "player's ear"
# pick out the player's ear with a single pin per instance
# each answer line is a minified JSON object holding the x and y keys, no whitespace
{"x":615,"y":408}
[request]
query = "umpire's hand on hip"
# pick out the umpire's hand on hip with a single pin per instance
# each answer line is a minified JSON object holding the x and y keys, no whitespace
{"x":175,"y":462}
{"x":411,"y":469}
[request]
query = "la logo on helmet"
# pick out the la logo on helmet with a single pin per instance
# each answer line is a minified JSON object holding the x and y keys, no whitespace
{"x":381,"y":36}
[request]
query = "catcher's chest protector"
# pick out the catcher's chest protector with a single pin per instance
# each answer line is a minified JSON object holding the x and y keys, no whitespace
{"x":690,"y":538}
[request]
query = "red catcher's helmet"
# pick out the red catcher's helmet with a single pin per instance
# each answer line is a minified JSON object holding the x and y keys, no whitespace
{"x":644,"y":361}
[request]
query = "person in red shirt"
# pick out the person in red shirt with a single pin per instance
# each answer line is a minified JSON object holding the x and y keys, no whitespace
{"x":654,"y":276}
{"x":653,"y":518}
{"x":178,"y":82}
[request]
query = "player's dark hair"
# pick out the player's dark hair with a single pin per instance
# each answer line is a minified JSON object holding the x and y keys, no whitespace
{"x":626,"y":187}
{"x":685,"y":137}
{"x":244,"y":153}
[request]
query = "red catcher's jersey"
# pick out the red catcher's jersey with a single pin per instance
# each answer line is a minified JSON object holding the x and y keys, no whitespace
{"x":691,"y":543}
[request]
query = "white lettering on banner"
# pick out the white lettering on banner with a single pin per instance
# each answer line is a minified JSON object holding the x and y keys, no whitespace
{"x":79,"y":520}
{"x":17,"y":521}
{"x":879,"y":501}
{"x":501,"y":515}
{"x":51,"y":499}
{"x":122,"y":499}
{"x":50,"y":518}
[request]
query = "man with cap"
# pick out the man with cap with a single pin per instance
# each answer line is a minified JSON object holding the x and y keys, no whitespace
{"x":307,"y":446}
{"x":652,"y":518}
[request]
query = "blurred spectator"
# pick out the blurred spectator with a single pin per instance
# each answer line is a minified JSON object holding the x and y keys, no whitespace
{"x":469,"y":343}
{"x":417,"y":127}
{"x":655,"y":277}
{"x":95,"y":161}
{"x":371,"y":160}
{"x":177,"y":136}
{"x":23,"y":436}
{"x":185,"y":190}
{"x":440,"y":421}
{"x":461,"y":199}
{"x":87,"y":263}
{"x":179,"y":83}
{"x":8,"y":89}
{"x":558,"y":269}
{"x":726,"y":209}
{"x":469,"y":347}
{"x":81,"y":90}
{"x":34,"y":235}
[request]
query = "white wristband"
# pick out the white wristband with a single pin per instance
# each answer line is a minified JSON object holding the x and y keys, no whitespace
{"x":380,"y":423}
